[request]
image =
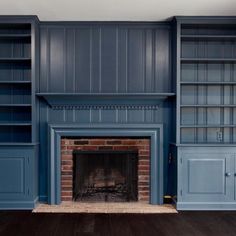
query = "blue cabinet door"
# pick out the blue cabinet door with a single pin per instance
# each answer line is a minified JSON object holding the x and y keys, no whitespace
{"x":206,"y":177}
{"x":18,"y":177}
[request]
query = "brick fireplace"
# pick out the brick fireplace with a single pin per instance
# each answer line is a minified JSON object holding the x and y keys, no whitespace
{"x":139,"y":145}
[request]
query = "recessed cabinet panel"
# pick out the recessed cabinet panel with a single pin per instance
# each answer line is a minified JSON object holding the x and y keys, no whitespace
{"x":206,"y":177}
{"x":17,"y":174}
{"x":12,"y":173}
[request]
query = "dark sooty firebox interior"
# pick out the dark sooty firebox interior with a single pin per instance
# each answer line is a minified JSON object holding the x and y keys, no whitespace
{"x":109,"y":176}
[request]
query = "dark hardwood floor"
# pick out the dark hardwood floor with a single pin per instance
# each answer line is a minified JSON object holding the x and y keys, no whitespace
{"x":184,"y":223}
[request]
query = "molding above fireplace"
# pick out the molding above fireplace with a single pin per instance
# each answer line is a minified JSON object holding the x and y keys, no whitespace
{"x":106,"y":101}
{"x":152,"y":131}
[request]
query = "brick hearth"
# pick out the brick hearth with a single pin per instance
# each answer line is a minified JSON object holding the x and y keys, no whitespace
{"x":142,"y":146}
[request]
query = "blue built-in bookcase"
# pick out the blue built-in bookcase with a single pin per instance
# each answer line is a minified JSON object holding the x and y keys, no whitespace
{"x":206,"y":112}
{"x":179,"y":74}
{"x":18,"y":109}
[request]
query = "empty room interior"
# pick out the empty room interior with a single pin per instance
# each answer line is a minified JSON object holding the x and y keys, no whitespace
{"x":117,"y":117}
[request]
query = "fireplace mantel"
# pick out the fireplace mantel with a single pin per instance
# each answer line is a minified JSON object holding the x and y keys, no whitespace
{"x":152,"y":131}
{"x":147,"y":101}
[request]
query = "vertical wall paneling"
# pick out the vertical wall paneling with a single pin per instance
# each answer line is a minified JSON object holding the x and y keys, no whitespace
{"x":57,"y":59}
{"x":136,"y":66}
{"x":70,"y":57}
{"x":103,"y":58}
{"x":82,"y":60}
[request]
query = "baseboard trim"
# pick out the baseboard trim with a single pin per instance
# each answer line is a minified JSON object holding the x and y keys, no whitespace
{"x":18,"y":205}
{"x":205,"y":206}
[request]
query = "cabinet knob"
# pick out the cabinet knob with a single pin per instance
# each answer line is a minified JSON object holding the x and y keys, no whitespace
{"x":227,"y":174}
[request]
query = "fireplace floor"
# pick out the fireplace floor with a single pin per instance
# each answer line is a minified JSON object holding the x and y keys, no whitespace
{"x":124,"y":207}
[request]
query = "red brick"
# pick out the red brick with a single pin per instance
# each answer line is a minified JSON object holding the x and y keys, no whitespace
{"x":143,"y":198}
{"x":144,"y":157}
{"x":105,"y":148}
{"x":144,"y":162}
{"x":143,"y":178}
{"x":90,"y":148}
{"x":66,"y":167}
{"x":78,"y":148}
{"x":143,"y":188}
{"x":130,"y":142}
{"x":143,"y":168}
{"x":121,"y":148}
{"x":63,"y":148}
{"x":143,"y":148}
{"x":66,"y":177}
{"x":67,"y":162}
{"x":66,"y":193}
{"x":67,"y":152}
{"x":144,"y":141}
{"x":66,"y":188}
{"x":66,"y":198}
{"x":143,"y":193}
{"x":66,"y":157}
{"x":67,"y":182}
{"x":66,"y":172}
{"x":143,"y":172}
{"x":142,"y":152}
{"x":81,"y":142}
{"x":97,"y":142}
{"x":113,"y":142}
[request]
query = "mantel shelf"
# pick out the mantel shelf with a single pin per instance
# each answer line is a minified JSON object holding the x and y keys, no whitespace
{"x":104,"y":100}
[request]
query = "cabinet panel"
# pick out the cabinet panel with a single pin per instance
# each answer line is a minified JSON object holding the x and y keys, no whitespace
{"x":17,"y":177}
{"x":204,"y":177}
{"x":201,"y":180}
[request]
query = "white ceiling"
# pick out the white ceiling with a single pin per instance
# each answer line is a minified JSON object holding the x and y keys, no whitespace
{"x":115,"y":10}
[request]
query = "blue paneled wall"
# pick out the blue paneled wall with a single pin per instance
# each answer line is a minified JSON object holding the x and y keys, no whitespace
{"x":104,"y":58}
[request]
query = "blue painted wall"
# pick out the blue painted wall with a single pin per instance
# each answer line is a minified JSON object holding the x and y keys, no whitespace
{"x":100,"y":58}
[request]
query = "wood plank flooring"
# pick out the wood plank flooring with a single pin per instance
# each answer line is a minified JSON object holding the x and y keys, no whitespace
{"x":184,"y":223}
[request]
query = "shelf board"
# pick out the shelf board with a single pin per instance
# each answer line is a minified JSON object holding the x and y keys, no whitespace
{"x":64,"y":99}
{"x":204,"y":144}
{"x":17,"y":144}
{"x":189,"y":60}
{"x":15,"y":59}
{"x":204,"y":36}
{"x":15,"y":82}
{"x":206,"y":83}
{"x":208,"y":105}
{"x":15,"y":124}
{"x":15,"y":105}
{"x":15,"y":36}
{"x":208,"y":126}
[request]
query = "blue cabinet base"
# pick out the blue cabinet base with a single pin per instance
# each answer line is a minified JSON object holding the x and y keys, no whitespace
{"x":18,"y":177}
{"x":204,"y":206}
{"x":18,"y":205}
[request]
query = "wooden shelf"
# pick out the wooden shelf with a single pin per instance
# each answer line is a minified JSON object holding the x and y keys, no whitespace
{"x":204,"y":36}
{"x":208,"y":126}
{"x":208,"y":105}
{"x":17,"y":144}
{"x":16,"y":59}
{"x":15,"y":82}
{"x":15,"y":124}
{"x":205,"y":144}
{"x":207,"y":83}
{"x":189,"y":60}
{"x":15,"y":105}
{"x":15,"y":36}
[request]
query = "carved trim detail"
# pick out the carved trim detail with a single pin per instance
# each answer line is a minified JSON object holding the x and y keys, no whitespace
{"x":105,"y":107}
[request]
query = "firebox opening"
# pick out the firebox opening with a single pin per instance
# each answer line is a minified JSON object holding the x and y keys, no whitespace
{"x":105,"y":175}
